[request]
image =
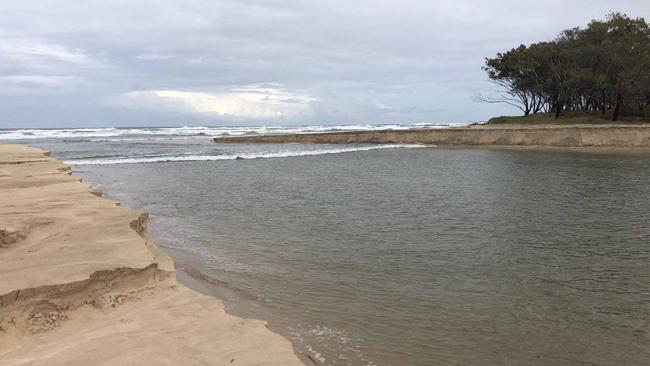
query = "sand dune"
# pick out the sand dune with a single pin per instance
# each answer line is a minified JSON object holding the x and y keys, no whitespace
{"x":81,"y":283}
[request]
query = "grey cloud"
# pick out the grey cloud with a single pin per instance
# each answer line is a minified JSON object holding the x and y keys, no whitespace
{"x":370,"y":61}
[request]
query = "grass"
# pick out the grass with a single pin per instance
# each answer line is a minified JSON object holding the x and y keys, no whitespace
{"x":574,"y":118}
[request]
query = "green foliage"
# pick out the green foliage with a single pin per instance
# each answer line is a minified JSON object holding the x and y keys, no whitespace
{"x":567,"y":118}
{"x":603,"y":68}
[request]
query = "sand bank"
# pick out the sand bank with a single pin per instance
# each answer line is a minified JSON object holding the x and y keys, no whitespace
{"x":552,"y":136}
{"x":81,"y":283}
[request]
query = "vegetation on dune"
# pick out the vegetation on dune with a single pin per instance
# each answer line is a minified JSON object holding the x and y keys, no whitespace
{"x":567,"y":118}
{"x":602,"y":70}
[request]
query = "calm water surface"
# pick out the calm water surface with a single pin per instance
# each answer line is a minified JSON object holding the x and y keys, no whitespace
{"x":416,"y":256}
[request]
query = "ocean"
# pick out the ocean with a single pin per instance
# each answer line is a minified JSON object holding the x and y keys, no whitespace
{"x":391,"y":254}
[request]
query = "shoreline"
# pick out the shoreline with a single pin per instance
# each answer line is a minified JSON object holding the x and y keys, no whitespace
{"x":196,"y":276}
{"x":84,"y":284}
{"x":572,"y":136}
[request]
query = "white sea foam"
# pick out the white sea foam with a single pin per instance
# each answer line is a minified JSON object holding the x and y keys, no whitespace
{"x":262,"y":155}
{"x":332,"y":334}
{"x":316,"y":355}
{"x":111,"y":133}
{"x":74,"y":133}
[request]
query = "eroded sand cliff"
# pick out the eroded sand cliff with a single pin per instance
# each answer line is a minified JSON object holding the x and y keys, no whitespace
{"x":554,"y":136}
{"x":82,"y":284}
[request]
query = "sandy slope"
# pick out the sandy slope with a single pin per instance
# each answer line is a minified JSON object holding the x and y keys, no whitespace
{"x":602,"y":136}
{"x":82,"y":284}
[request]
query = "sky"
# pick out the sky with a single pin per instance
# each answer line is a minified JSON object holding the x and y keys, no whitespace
{"x":265,"y":62}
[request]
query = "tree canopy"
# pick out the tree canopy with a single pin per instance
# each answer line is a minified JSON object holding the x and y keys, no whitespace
{"x":602,"y":68}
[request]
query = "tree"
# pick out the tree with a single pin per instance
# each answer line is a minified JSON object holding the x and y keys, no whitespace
{"x":625,"y":49}
{"x":514,"y":72}
{"x":604,"y":67}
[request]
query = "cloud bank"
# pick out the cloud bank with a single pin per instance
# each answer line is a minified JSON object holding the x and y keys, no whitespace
{"x":120,"y":63}
{"x":251,"y":103}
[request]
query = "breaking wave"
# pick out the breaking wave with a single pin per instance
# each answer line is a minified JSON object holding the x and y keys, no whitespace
{"x":99,"y":134}
{"x":263,"y":155}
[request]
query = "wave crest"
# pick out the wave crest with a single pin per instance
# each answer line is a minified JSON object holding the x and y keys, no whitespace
{"x":112,"y":133}
{"x":265,"y":155}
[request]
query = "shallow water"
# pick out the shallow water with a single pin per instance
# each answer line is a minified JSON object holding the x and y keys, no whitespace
{"x":412,"y":256}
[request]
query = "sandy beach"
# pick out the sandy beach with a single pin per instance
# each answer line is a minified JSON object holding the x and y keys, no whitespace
{"x":82,"y":283}
{"x":607,"y":136}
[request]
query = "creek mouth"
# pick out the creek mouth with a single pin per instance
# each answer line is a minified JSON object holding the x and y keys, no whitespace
{"x":415,"y":256}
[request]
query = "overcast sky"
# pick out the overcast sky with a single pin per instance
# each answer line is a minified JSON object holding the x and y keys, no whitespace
{"x":241,"y":62}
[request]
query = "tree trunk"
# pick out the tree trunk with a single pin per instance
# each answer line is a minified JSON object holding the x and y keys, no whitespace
{"x":617,"y":108}
{"x":557,"y":106}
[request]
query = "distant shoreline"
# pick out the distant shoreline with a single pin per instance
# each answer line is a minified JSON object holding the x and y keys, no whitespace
{"x":608,"y":136}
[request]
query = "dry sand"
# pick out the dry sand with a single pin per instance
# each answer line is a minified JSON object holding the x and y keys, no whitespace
{"x":82,"y":284}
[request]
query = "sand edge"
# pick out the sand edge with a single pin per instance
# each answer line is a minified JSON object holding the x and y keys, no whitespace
{"x":603,"y":136}
{"x":83,"y":284}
